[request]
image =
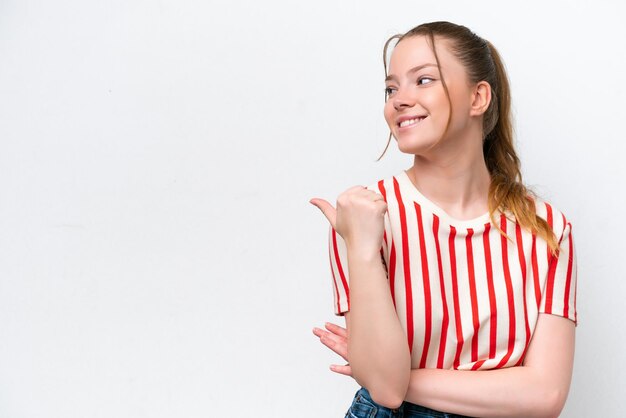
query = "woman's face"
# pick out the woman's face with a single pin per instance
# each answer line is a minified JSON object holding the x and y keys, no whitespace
{"x":417,"y":108}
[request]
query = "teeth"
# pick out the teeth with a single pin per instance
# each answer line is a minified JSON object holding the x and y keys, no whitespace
{"x":410,"y":121}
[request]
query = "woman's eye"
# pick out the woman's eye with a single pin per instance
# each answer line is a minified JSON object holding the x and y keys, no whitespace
{"x":424,"y":80}
{"x":389,"y":91}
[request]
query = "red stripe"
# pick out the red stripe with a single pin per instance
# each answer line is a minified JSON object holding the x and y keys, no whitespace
{"x":332,"y":270}
{"x":568,"y":280}
{"x":549,"y":219}
{"x":381,"y":188}
{"x":455,"y":295}
{"x":522,"y":264}
{"x":509,"y":293}
{"x":340,"y":268}
{"x":473,"y":296}
{"x":536,"y":271}
{"x":446,"y":319}
{"x":493,"y":307}
{"x":478,"y":365}
{"x":575,"y":296}
{"x":406,"y":264}
{"x":392,"y":272}
{"x":552,"y":262}
{"x":426,"y":280}
{"x":392,"y":252}
{"x":390,"y":276}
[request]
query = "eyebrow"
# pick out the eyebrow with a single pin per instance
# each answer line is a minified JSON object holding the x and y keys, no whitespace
{"x":412,"y":70}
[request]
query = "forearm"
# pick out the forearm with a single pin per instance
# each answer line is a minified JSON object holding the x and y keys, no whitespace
{"x":537,"y":389}
{"x":377,"y":344}
{"x":511,"y":392}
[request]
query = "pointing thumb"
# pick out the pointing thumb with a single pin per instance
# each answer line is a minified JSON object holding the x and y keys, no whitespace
{"x":327,"y":209}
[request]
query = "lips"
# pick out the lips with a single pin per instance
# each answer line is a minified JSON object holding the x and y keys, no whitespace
{"x":407,"y":121}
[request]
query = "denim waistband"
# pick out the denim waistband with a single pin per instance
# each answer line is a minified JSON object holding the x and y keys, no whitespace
{"x":364,"y":407}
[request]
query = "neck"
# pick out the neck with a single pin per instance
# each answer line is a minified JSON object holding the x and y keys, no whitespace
{"x":455,"y":179}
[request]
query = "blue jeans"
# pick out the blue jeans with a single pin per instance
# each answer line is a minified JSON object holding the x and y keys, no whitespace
{"x":364,"y":407}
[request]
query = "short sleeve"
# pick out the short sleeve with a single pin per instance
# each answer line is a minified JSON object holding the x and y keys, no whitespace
{"x":338,"y":255}
{"x":559,"y":296}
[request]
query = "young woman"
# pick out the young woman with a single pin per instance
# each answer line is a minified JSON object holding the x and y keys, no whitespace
{"x":457,"y":284}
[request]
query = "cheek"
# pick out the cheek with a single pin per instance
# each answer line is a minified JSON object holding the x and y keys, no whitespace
{"x":388,"y":113}
{"x":436,"y":100}
{"x":460,"y":96}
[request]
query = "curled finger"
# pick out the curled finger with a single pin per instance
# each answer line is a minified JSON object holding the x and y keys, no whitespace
{"x":345,"y":370}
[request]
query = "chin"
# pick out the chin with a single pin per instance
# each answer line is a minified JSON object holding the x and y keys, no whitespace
{"x":415,"y":147}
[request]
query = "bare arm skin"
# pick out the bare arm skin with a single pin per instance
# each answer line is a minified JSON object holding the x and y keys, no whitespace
{"x":377,"y":346}
{"x":537,"y":389}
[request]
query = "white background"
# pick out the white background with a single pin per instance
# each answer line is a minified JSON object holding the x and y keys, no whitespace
{"x":158,"y":254}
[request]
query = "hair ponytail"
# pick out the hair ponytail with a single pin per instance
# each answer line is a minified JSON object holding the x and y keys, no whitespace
{"x":506,"y":191}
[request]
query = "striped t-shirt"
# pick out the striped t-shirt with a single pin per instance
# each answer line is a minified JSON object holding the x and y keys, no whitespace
{"x":467,"y":297}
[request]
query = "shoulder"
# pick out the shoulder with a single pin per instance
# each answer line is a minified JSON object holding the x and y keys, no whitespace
{"x":386,"y":186}
{"x":554,"y":217}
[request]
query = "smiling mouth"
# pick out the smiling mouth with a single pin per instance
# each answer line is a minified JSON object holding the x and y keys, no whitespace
{"x":410,"y":122}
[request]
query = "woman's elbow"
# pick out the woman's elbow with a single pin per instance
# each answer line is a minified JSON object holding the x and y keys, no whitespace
{"x":387,"y":398}
{"x":390,"y":394}
{"x":386,"y":383}
{"x":549,"y":404}
{"x":554,"y":403}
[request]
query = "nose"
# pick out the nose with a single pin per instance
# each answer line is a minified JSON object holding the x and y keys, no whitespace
{"x":403,"y":99}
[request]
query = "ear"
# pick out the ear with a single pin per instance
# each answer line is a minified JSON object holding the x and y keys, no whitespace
{"x":481,"y":97}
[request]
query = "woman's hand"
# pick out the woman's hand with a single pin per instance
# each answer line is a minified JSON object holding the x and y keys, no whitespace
{"x":359,"y":218}
{"x":335,"y":338}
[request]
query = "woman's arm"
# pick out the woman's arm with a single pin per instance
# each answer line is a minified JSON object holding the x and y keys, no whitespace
{"x":537,"y":389}
{"x":377,"y":345}
{"x":378,"y":349}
